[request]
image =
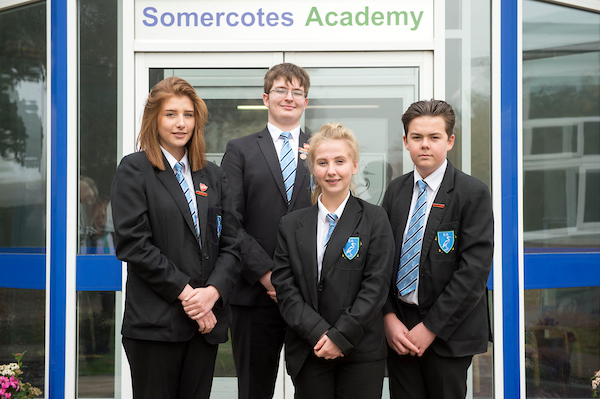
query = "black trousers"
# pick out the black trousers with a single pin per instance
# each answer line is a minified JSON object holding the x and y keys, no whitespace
{"x":257,"y":334}
{"x":171,"y":370}
{"x":430,"y":376}
{"x":339,"y":379}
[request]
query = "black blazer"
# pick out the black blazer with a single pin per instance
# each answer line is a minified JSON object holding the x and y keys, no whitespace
{"x":252,"y":167}
{"x":452,"y":286}
{"x":155,"y":234}
{"x":348,"y":299}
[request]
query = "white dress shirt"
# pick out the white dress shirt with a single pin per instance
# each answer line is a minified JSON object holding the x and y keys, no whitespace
{"x":187,"y":174}
{"x":278,"y":141}
{"x":323,"y":228}
{"x":434,"y":181}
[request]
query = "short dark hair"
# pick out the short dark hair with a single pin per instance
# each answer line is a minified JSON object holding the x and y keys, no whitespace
{"x":289,"y":72}
{"x":430,"y":108}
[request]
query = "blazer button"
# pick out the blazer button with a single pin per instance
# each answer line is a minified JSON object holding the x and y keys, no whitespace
{"x":320,"y":287}
{"x":206,"y":256}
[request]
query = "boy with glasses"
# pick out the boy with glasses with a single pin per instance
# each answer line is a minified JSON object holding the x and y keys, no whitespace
{"x":268,"y":179}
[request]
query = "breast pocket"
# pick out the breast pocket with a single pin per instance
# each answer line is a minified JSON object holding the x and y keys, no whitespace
{"x":215,"y":225}
{"x":446,"y":242}
{"x":352,"y":254}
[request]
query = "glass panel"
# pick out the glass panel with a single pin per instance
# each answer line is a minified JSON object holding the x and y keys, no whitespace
{"x":562,"y":341}
{"x":97,"y":123}
{"x":96,"y":343}
{"x":561,"y":127}
{"x":468,"y":86}
{"x":22,"y":330}
{"x":23,"y":129}
{"x":367,"y":100}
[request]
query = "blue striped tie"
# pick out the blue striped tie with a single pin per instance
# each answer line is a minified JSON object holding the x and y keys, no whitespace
{"x":332,"y":219}
{"x":188,"y":194}
{"x":406,"y":281}
{"x":287,"y":162}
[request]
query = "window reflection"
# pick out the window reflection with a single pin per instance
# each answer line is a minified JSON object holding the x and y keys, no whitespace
{"x":97,"y":123}
{"x":562,"y":341}
{"x":22,"y":330}
{"x":23,"y":129}
{"x":96,"y":335}
{"x":561,"y":127}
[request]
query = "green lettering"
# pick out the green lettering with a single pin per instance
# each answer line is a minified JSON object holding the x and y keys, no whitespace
{"x":377,"y":18}
{"x":364,"y":14}
{"x":327,"y":18}
{"x":396,"y":14}
{"x":416,"y":21}
{"x":347,"y":19}
{"x":314,"y":17}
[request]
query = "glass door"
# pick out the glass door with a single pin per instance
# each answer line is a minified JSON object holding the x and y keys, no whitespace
{"x":367,"y":93}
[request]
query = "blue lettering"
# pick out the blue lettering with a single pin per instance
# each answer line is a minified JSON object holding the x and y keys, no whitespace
{"x":163,"y":19}
{"x":147,"y":11}
{"x":229,"y":21}
{"x":206,"y":19}
{"x":244,"y":19}
{"x":260,"y":15}
{"x":187,"y":18}
{"x":272,"y":19}
{"x":219,"y":15}
{"x":287,"y":17}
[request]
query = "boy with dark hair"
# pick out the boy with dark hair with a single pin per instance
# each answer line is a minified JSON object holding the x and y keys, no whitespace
{"x":436,"y":316}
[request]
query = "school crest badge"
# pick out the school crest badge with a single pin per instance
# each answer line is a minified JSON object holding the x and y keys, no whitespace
{"x":445,"y":240}
{"x":351,"y":247}
{"x":219,"y":226}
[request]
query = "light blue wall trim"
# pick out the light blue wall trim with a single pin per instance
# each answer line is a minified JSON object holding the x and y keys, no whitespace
{"x":98,"y":273}
{"x":547,"y":270}
{"x":23,"y":271}
{"x":510,"y":211}
{"x":58,"y":200}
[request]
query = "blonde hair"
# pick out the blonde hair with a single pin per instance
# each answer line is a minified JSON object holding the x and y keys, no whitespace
{"x":330,"y":131}
{"x":148,"y":138}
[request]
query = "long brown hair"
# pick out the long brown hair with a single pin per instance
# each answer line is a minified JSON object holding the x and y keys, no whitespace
{"x":148,"y":139}
{"x":330,"y":131}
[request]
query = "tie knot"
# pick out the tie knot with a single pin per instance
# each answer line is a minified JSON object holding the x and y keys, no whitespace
{"x":422,"y":184}
{"x":285,"y":135}
{"x":332,"y":219}
{"x":178,"y":167}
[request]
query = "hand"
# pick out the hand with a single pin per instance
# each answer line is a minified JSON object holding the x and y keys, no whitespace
{"x":207,"y":323}
{"x":265,"y":280}
{"x":422,"y":337}
{"x":199,"y":301}
{"x":395,"y":332}
{"x":327,"y":349}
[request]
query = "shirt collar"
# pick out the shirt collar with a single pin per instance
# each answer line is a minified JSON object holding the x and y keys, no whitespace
{"x":323,"y":211}
{"x":172,"y":161}
{"x":435,"y":178}
{"x":274,"y":131}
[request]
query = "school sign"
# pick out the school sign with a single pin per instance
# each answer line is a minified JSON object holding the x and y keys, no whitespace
{"x":285,"y":24}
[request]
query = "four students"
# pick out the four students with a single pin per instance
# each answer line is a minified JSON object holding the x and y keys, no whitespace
{"x":331,"y":268}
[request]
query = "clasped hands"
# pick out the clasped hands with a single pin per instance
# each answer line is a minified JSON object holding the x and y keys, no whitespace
{"x":327,"y":349}
{"x":405,"y":341}
{"x":198,"y":304}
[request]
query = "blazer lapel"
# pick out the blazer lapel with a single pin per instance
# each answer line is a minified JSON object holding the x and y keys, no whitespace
{"x":201,"y":202}
{"x":307,"y":244}
{"x":169,"y":180}
{"x":301,"y":171}
{"x":436,"y":214}
{"x":403,"y":201}
{"x":265,"y":142}
{"x":343,"y":230}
